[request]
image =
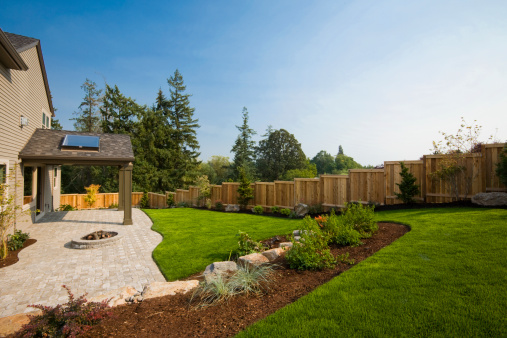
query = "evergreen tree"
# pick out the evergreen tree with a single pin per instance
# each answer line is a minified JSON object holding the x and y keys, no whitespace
{"x":340,"y":150}
{"x":408,"y":188}
{"x":245,"y":190}
{"x":88,"y":118}
{"x":279,"y":152}
{"x":244,"y":147}
{"x":183,"y":137}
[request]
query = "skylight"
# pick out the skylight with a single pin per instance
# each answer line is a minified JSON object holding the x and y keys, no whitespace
{"x":81,"y":142}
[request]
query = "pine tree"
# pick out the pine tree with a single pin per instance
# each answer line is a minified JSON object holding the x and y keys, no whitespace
{"x":340,"y":150}
{"x":245,"y":190}
{"x":183,"y":137}
{"x":244,"y":147}
{"x":408,"y":188}
{"x":88,"y":118}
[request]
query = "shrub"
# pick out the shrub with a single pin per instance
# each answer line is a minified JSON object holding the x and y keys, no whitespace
{"x":275,"y":209}
{"x":501,"y":168}
{"x":16,"y":240}
{"x":170,"y":201}
{"x":247,"y":245}
{"x":408,"y":188}
{"x":285,"y":211}
{"x":315,"y":209}
{"x":113,"y":206}
{"x":145,"y":200}
{"x":245,"y":191}
{"x":183,"y":205}
{"x":66,"y":207}
{"x":360,"y":218}
{"x":67,"y":320}
{"x":91,"y":194}
{"x":293,"y":214}
{"x":345,"y":259}
{"x":314,"y":253}
{"x":258,"y":210}
{"x":219,"y":205}
{"x":338,"y":231}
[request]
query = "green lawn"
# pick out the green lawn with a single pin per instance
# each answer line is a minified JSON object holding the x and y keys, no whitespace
{"x":446,"y":278}
{"x":195,"y":238}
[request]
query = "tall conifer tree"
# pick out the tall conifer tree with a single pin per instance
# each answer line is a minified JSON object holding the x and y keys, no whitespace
{"x":244,"y":148}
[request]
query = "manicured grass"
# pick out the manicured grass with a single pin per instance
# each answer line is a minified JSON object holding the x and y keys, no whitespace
{"x":195,"y":238}
{"x":445,"y":278}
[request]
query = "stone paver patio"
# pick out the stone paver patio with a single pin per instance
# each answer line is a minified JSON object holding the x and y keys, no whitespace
{"x":48,"y":264}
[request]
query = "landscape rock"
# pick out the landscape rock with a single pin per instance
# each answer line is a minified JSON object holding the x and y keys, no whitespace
{"x":273,"y":254}
{"x":159,"y":289}
{"x":297,"y":238}
{"x":296,"y":232}
{"x":232,"y":207}
{"x":11,"y":324}
{"x":301,"y":209}
{"x":286,"y":245}
{"x":118,"y":296}
{"x":220,"y":268}
{"x":490,"y":198}
{"x":254,"y":259}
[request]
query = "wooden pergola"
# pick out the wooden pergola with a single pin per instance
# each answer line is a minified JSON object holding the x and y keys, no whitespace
{"x":46,"y":147}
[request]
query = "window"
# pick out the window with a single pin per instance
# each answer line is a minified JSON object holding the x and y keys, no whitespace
{"x":3,"y":173}
{"x":45,"y":121}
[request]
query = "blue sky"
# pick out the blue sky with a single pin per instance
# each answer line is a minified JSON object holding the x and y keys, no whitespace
{"x":380,"y":78}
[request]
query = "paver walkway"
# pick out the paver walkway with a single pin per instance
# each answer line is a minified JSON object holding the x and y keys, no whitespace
{"x":48,"y":264}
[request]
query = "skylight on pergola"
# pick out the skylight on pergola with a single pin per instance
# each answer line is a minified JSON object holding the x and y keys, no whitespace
{"x":80,"y":142}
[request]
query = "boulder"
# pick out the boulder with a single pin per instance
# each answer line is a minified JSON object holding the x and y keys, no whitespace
{"x":11,"y":324}
{"x":232,"y":207}
{"x":273,"y":254}
{"x":117,"y":297}
{"x":286,"y":245}
{"x":254,"y":259}
{"x":301,"y":209}
{"x":490,"y":198}
{"x":223,"y":269}
{"x":159,"y":289}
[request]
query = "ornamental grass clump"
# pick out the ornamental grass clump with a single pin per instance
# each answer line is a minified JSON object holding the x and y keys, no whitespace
{"x":313,"y":252}
{"x":215,"y":291}
{"x":65,"y":320}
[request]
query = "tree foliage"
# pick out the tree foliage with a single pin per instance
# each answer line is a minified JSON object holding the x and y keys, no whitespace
{"x":277,"y":153}
{"x":218,"y":169}
{"x":88,"y":118}
{"x":245,"y":191}
{"x":244,"y":147}
{"x":408,"y":188}
{"x":501,"y":169}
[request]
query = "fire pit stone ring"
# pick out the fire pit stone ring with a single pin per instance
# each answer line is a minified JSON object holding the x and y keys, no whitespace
{"x":80,"y":243}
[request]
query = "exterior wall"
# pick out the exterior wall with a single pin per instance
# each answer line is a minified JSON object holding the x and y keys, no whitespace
{"x":22,"y":93}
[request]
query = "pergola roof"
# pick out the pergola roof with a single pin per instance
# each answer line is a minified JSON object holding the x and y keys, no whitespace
{"x":45,"y":146}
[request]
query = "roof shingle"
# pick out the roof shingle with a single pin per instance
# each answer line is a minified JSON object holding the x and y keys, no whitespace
{"x":21,"y":42}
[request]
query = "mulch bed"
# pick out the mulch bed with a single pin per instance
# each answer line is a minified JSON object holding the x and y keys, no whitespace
{"x":172,"y":316}
{"x":12,"y":256}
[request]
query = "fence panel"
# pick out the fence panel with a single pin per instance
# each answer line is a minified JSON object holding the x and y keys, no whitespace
{"x":216,"y":194}
{"x":284,"y":194}
{"x":307,"y":191}
{"x":157,"y":201}
{"x":264,"y":194}
{"x":104,"y":200}
{"x":182,"y":196}
{"x":194,"y":196}
{"x":367,"y":185}
{"x":392,"y":170}
{"x":230,"y":192}
{"x":334,"y":190}
{"x":491,"y":157}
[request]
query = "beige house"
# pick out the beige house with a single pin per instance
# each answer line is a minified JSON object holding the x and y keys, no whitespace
{"x":25,"y":105}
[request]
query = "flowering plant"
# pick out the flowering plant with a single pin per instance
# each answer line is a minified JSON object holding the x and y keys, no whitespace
{"x":321,"y":220}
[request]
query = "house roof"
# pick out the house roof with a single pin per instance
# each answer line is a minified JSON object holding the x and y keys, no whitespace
{"x":11,"y":45}
{"x":45,"y":146}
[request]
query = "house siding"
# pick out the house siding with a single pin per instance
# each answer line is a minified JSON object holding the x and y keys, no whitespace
{"x":22,"y":93}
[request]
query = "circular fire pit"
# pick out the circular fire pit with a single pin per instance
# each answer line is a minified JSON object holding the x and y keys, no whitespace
{"x":96,"y":239}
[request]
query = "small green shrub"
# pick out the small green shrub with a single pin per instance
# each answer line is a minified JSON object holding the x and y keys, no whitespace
{"x":338,"y":232}
{"x":360,"y":218}
{"x":408,"y":188}
{"x":247,"y":245}
{"x":275,"y":209}
{"x":170,"y":201}
{"x":293,"y":214}
{"x":245,"y":190}
{"x":66,"y":207}
{"x":219,"y":205}
{"x":258,"y":210}
{"x":145,"y":201}
{"x":313,"y":253}
{"x":345,"y":259}
{"x":285,"y":211}
{"x":183,"y":205}
{"x":16,"y":240}
{"x":315,"y":209}
{"x":68,"y":320}
{"x":113,"y":206}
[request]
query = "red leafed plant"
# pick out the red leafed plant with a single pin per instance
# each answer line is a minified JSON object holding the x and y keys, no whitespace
{"x":65,"y":320}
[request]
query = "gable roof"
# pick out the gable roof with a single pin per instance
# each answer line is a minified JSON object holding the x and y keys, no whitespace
{"x":11,"y":45}
{"x":45,"y":146}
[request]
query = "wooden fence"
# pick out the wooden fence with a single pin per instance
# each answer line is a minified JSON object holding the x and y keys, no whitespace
{"x":366,"y":185}
{"x":104,"y":200}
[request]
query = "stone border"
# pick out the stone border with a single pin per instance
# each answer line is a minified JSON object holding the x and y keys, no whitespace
{"x":79,"y":243}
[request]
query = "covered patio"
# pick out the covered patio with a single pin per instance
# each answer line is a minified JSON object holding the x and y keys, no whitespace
{"x":59,"y":147}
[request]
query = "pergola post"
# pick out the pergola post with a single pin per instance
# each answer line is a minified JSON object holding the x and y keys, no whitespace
{"x":121,"y":186}
{"x":126,"y":181}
